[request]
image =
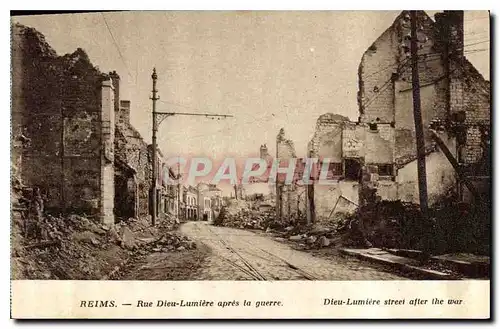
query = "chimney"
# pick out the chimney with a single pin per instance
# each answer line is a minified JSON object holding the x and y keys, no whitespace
{"x":263,"y":151}
{"x":451,"y":28}
{"x":116,"y":85}
{"x":124,"y":113}
{"x":451,"y":36}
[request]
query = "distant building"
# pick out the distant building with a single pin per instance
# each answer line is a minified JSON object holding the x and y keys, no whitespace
{"x":191,"y":203}
{"x":170,"y":201}
{"x":216,"y":200}
{"x":210,"y":201}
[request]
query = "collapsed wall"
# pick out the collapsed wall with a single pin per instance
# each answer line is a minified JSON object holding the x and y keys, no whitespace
{"x":452,"y":91}
{"x":334,"y":138}
{"x":290,"y":198}
{"x":62,"y":112}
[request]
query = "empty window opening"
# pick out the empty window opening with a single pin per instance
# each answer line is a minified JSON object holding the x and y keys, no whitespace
{"x":334,"y":170}
{"x":385,"y":169}
{"x":352,"y":169}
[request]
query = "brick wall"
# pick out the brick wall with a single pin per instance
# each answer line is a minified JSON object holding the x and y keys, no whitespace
{"x":449,"y":84}
{"x":286,"y":195}
{"x":477,"y":114}
{"x":375,"y":94}
{"x":335,"y":138}
{"x":441,"y":177}
{"x":56,"y":103}
{"x":353,"y":140}
{"x":132,"y":149}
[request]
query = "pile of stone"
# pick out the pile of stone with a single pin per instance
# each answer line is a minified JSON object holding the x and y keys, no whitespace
{"x":172,"y":242}
{"x":248,"y":219}
{"x":239,"y":214}
{"x":312,"y":238}
{"x":76,"y":247}
{"x":70,"y":248}
{"x":54,"y":230}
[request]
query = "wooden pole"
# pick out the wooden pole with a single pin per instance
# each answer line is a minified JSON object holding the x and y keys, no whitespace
{"x":417,"y":115}
{"x":154,"y":76}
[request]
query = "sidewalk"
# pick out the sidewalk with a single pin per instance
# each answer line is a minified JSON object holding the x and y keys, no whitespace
{"x":430,"y":270}
{"x":467,"y":264}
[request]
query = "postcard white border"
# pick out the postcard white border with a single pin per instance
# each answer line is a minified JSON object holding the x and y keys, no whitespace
{"x":299,"y":299}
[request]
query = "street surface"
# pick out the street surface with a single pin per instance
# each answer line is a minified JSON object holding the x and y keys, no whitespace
{"x":243,"y":255}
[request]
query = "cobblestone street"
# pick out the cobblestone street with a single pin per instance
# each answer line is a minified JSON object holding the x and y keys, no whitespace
{"x":243,"y":255}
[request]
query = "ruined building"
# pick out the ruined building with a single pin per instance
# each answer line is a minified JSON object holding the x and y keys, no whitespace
{"x":290,"y":197}
{"x":133,"y":174}
{"x":452,"y":92}
{"x":378,"y":152}
{"x":72,"y":135}
{"x":260,"y":184}
{"x":64,"y":107}
{"x":337,"y":139}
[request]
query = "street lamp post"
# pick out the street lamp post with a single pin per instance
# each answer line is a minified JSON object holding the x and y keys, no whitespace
{"x":154,"y":76}
{"x":158,"y":118}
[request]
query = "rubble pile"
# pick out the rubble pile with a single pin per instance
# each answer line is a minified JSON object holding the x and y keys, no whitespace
{"x":77,"y":247}
{"x":462,"y":228}
{"x":241,"y":214}
{"x":69,"y":248}
{"x":451,"y":227}
{"x":313,"y":240}
{"x":384,"y":224}
{"x":316,"y":236}
{"x":246,"y":215}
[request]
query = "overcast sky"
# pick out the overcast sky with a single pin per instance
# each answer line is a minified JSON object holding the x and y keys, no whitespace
{"x":268,"y":69}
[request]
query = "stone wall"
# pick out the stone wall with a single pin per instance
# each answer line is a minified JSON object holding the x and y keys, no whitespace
{"x":56,"y":104}
{"x":133,"y":150}
{"x":286,"y":194}
{"x":379,"y":144}
{"x":450,"y":88}
{"x":341,"y":196}
{"x":441,"y":177}
{"x":477,"y":115}
{"x":336,"y":138}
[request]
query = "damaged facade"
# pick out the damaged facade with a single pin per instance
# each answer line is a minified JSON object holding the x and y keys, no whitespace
{"x":71,"y":133}
{"x":290,"y":198}
{"x":63,"y":107}
{"x":378,"y":153}
{"x":340,"y":141}
{"x":453,"y":93}
{"x":132,"y":165}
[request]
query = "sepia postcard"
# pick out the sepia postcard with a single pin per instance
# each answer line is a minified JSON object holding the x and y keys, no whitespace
{"x":251,"y":165}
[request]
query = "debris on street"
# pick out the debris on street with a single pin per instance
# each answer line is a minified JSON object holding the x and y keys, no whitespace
{"x":245,"y":215}
{"x":79,"y":247}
